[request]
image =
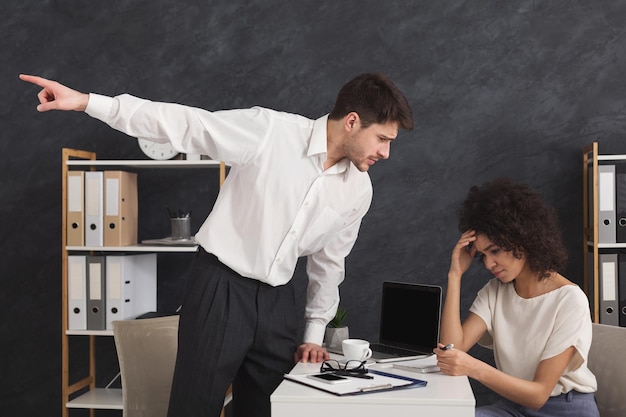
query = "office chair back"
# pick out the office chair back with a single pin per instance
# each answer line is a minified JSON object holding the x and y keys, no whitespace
{"x":146,"y":352}
{"x":607,"y":360}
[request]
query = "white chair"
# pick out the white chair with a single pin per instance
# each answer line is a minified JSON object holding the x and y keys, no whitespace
{"x":146,"y":350}
{"x":607,"y":360}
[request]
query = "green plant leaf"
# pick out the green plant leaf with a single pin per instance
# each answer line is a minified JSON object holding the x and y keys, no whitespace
{"x":340,"y":316}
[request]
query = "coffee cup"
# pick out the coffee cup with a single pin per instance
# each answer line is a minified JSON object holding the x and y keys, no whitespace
{"x":356,"y":349}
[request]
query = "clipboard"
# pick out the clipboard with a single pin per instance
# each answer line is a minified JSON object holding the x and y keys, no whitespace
{"x":381,"y":382}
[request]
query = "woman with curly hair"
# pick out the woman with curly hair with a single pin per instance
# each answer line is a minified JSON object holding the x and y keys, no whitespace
{"x":536,"y":321}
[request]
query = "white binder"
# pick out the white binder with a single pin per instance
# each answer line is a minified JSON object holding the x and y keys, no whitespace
{"x":76,"y":292}
{"x":131,"y":286}
{"x":145,"y":286}
{"x":75,"y":205}
{"x":119,"y":287}
{"x":606,"y":204}
{"x":609,"y":304}
{"x":94,"y":208}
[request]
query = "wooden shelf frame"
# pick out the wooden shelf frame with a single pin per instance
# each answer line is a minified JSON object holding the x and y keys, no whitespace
{"x":102,"y":398}
{"x":590,"y":228}
{"x":68,"y":390}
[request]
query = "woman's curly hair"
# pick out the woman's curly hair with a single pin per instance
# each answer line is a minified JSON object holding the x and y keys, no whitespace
{"x":517,"y":219}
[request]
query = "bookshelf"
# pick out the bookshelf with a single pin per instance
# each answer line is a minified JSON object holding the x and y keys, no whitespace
{"x":596,"y":246}
{"x":83,"y":393}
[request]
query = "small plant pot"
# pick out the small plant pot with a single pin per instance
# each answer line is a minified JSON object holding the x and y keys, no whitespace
{"x":334,"y":336}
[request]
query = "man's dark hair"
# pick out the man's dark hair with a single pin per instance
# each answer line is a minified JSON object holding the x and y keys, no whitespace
{"x":517,"y":219}
{"x":376,"y":99}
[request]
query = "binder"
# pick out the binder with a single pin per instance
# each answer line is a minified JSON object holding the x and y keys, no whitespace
{"x":120,"y":208}
{"x":606,"y":204}
{"x":590,"y":290}
{"x":620,"y":202}
{"x":96,"y":318}
{"x":608,"y":289}
{"x":76,"y":292}
{"x":145,"y":286}
{"x":621,"y":286}
{"x":75,"y":206}
{"x":131,"y":286}
{"x":93,"y":208}
{"x":119,"y":286}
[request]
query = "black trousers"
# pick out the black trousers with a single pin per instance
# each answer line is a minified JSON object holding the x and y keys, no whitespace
{"x":232,"y":330}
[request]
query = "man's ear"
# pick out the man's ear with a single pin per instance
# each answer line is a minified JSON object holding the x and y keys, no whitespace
{"x":352,"y":121}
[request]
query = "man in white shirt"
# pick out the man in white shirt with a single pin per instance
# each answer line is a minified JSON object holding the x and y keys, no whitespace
{"x":296,"y":187}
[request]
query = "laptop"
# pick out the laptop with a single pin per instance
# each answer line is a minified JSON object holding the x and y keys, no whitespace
{"x":409,"y":321}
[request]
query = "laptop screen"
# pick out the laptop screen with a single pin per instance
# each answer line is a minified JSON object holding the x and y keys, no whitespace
{"x":410,"y":316}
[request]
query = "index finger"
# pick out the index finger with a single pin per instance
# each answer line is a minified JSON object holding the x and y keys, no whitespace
{"x":42,"y":82}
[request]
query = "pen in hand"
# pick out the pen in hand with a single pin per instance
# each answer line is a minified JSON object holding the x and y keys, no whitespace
{"x":448,"y":346}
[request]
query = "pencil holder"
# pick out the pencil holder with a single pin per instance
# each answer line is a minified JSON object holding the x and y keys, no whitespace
{"x":181,"y":228}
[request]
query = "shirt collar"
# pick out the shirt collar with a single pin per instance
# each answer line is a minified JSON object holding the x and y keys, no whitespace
{"x":319,"y":146}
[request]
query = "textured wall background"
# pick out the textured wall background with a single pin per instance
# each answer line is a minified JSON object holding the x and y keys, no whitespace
{"x":497,"y":88}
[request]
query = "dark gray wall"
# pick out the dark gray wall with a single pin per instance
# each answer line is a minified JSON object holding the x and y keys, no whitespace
{"x":498,"y":88}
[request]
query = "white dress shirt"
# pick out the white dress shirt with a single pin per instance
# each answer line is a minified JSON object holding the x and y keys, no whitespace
{"x":277,"y":202}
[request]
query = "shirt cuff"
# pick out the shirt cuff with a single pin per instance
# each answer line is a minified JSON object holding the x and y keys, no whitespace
{"x":99,"y":106}
{"x":314,"y":333}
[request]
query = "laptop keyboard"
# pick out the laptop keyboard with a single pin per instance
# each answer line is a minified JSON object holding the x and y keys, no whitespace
{"x":390,"y":350}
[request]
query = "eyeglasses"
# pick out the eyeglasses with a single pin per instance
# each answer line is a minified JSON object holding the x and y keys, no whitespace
{"x":350,"y":367}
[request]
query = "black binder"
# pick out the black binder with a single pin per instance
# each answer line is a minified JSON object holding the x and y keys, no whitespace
{"x":96,"y":293}
{"x":620,"y":202}
{"x":621,"y":286}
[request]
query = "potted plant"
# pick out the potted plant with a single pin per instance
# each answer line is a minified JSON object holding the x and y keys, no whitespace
{"x":336,"y":331}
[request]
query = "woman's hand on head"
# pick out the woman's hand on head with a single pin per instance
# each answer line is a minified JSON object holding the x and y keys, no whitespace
{"x":462,"y":254}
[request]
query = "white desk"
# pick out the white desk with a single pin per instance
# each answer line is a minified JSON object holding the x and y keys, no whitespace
{"x":444,"y":396}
